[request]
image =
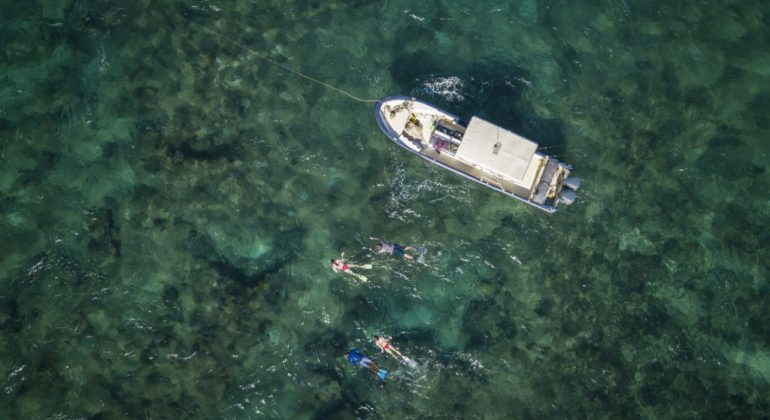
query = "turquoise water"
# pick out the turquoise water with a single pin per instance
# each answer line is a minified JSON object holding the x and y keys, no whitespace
{"x":169,"y":202}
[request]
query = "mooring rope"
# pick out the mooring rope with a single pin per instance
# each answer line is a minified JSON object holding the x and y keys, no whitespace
{"x":270,"y":60}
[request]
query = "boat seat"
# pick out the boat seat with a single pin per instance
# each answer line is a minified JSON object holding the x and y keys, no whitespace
{"x":445,"y":137}
{"x":544,"y":186}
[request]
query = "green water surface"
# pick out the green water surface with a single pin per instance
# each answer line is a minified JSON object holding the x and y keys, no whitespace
{"x":169,"y":201}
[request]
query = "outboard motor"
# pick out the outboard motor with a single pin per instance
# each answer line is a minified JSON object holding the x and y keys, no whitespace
{"x":567,"y":197}
{"x":572,"y":183}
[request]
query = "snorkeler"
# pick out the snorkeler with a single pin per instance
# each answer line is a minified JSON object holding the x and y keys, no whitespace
{"x":357,"y":359}
{"x":384,"y":345}
{"x":343,"y":265}
{"x":397,"y":250}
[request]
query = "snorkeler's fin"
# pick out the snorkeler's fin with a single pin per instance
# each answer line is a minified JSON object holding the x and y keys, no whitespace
{"x":382,"y":374}
{"x":421,"y":251}
{"x":408,"y":362}
{"x":366,"y":266}
{"x":361,"y":277}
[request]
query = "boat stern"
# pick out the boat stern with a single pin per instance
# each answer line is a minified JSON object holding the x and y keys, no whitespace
{"x":555,"y":185}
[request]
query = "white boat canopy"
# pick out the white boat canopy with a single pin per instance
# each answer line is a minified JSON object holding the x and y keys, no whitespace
{"x":498,"y":150}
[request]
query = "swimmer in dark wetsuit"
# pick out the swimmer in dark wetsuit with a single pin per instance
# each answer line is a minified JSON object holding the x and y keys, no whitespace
{"x":355,"y":358}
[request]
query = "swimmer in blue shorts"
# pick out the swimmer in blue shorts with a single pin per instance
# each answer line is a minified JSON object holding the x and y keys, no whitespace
{"x":355,"y":358}
{"x":395,"y":249}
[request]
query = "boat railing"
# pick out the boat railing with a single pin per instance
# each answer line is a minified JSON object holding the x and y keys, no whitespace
{"x":492,"y":178}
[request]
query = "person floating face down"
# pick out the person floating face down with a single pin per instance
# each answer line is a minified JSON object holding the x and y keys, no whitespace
{"x":355,"y":358}
{"x":342,"y":265}
{"x":395,"y":249}
{"x":384,"y":345}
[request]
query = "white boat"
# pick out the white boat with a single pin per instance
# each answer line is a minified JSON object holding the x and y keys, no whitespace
{"x":479,"y":150}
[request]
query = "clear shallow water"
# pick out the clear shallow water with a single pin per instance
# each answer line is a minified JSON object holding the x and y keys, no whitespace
{"x":169,"y":202}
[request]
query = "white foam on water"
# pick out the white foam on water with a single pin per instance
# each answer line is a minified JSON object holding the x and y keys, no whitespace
{"x":405,"y":190}
{"x":449,"y":88}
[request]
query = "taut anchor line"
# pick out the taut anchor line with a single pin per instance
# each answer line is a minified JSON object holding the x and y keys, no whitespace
{"x":271,"y":61}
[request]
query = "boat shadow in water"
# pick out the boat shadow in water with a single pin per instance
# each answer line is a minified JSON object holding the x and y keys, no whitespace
{"x":490,"y":88}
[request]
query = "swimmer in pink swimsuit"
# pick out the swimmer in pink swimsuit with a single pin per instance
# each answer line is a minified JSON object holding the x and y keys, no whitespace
{"x":342,"y":265}
{"x":338,"y":265}
{"x":385,"y":347}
